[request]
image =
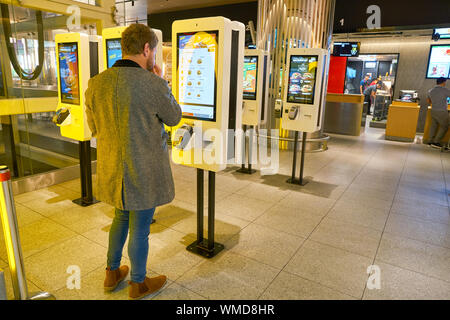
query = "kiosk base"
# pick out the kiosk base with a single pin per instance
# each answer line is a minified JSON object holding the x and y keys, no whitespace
{"x":249,"y":169}
{"x":304,"y":182}
{"x":207,"y":248}
{"x":246,"y":170}
{"x":83,"y":203}
{"x":300,"y":181}
{"x":201,"y":248}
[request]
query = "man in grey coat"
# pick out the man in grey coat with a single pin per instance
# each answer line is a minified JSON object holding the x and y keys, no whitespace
{"x":126,"y":108}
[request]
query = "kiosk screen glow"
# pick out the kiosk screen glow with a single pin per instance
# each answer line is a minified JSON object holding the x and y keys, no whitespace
{"x":197,"y":59}
{"x":68,"y":73}
{"x":114,"y":51}
{"x":250,"y":77}
{"x":302,"y":79}
{"x":439,"y":62}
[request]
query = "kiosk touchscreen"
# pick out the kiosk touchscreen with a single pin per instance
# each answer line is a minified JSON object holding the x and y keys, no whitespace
{"x":77,"y":62}
{"x":254,"y":87}
{"x":303,"y":90}
{"x":113,"y":49}
{"x":205,"y":80}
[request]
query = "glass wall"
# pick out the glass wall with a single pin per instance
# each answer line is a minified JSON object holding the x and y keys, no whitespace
{"x":29,"y":141}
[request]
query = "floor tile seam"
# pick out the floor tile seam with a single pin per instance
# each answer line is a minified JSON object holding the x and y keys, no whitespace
{"x":50,"y":247}
{"x":447,"y":281}
{"x":418,"y":240}
{"x":189,"y":289}
{"x":348,"y":186}
{"x":419,"y":219}
{"x":277,"y":230}
{"x":301,"y":246}
{"x":389,"y":213}
{"x":319,"y":283}
{"x":339,"y":198}
{"x":81,"y":276}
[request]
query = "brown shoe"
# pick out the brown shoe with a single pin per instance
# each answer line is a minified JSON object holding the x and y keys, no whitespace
{"x":114,"y":277}
{"x":149,"y":286}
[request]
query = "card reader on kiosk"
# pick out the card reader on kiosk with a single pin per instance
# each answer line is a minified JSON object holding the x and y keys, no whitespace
{"x":255,"y":91}
{"x":303,"y":90}
{"x":77,"y":61}
{"x":113,"y":49}
{"x":205,"y":81}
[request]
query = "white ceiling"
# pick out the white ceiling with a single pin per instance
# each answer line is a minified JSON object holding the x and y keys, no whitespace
{"x":158,"y":6}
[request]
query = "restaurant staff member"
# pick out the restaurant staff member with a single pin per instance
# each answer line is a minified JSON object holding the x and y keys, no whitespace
{"x":437,"y":97}
{"x":369,"y":94}
{"x":364,"y":83}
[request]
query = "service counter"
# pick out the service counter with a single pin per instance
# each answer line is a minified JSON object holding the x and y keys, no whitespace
{"x":343,"y":114}
{"x":426,"y":131}
{"x":402,"y":121}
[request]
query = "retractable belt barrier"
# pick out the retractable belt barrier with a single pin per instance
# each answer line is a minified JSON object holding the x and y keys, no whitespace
{"x":12,"y":241}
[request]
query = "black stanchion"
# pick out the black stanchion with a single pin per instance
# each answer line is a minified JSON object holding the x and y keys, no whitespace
{"x":301,"y":181}
{"x":205,"y":247}
{"x":87,"y":198}
{"x":248,"y":169}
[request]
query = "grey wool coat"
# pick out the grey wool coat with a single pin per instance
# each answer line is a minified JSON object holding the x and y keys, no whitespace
{"x":126,"y":107}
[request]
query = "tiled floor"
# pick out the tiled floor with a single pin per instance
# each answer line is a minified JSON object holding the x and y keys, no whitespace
{"x":371,"y":202}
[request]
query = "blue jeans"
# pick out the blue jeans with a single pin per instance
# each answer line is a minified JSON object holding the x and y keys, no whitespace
{"x":139,"y":224}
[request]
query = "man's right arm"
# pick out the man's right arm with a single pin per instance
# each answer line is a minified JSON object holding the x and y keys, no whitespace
{"x":169,"y":111}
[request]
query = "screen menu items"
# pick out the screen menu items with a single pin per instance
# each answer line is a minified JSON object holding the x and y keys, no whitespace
{"x":439,"y":63}
{"x":250,"y":77}
{"x":302,"y":79}
{"x":68,"y":73}
{"x":113,"y":51}
{"x":197,"y":56}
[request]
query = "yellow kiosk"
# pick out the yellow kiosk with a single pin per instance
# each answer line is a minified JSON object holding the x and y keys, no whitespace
{"x":77,"y":61}
{"x":205,"y":81}
{"x":113,"y":49}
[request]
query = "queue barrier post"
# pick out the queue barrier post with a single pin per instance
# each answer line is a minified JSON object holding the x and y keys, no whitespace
{"x":12,"y":241}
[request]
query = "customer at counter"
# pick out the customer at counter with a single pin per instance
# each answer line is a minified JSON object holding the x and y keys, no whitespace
{"x":369,"y":94}
{"x":437,"y":97}
{"x":364,"y":83}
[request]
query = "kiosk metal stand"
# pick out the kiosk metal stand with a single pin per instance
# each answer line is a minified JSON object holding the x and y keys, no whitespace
{"x":87,"y":198}
{"x":249,"y":169}
{"x":205,"y":247}
{"x":293,"y":180}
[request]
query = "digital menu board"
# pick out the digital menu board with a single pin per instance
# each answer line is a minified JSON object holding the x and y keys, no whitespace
{"x":439,"y":61}
{"x":250,"y":77}
{"x":346,"y":49}
{"x":302,"y":79}
{"x":68,"y":73}
{"x":113,"y":51}
{"x":444,"y":33}
{"x":196,"y":65}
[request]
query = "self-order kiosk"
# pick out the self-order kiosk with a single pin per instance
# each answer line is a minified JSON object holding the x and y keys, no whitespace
{"x":255,"y":93}
{"x":207,"y":83}
{"x":302,"y":110}
{"x":113,"y":50}
{"x":77,"y":61}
